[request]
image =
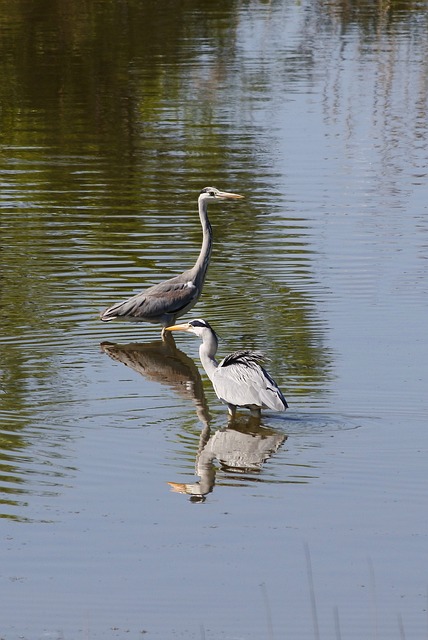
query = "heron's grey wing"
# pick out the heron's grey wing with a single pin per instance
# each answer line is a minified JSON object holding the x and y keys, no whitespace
{"x":273,"y":394}
{"x":240,"y":380}
{"x":171,"y":298}
{"x":163,"y":298}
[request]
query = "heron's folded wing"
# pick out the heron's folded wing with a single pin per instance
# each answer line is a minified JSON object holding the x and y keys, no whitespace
{"x":240,"y":380}
{"x":169,"y":298}
{"x":154,"y":302}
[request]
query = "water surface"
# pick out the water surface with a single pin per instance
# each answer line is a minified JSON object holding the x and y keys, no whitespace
{"x":113,"y":117}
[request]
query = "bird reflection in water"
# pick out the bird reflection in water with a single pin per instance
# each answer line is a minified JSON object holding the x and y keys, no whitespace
{"x":243,"y":446}
{"x":161,"y":361}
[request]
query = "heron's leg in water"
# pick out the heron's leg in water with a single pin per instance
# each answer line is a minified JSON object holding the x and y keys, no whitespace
{"x":232,"y":411}
{"x":256,"y":412}
{"x":167,"y":338}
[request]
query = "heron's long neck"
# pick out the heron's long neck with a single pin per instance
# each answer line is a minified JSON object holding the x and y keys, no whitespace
{"x":201,"y":263}
{"x":207,"y":351}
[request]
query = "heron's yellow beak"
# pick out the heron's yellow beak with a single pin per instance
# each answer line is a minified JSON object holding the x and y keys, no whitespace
{"x":229,"y":196}
{"x":178,"y":327}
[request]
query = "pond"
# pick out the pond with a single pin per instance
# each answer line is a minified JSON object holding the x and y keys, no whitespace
{"x":130,"y":506}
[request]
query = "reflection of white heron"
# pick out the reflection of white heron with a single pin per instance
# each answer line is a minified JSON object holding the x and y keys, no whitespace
{"x":239,"y":379}
{"x":165,"y":302}
{"x":240,"y":448}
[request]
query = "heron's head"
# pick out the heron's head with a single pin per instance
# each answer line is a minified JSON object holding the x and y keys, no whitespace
{"x":198,"y":327}
{"x":211,"y":193}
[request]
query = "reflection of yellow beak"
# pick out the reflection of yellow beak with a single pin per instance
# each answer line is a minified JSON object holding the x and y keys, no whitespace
{"x":178,"y":487}
{"x":230,"y":196}
{"x":178,"y":327}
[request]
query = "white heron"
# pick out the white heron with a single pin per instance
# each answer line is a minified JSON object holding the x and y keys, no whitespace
{"x":239,"y":380}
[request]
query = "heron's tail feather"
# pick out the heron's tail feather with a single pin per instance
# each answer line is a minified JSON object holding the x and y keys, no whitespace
{"x":130,"y":309}
{"x":105,"y":317}
{"x":109,"y":314}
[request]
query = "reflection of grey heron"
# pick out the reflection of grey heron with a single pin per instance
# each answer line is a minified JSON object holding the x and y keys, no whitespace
{"x":161,"y":361}
{"x":165,"y":302}
{"x":239,"y":379}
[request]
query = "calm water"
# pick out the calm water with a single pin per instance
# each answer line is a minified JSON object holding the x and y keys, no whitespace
{"x":113,"y":116}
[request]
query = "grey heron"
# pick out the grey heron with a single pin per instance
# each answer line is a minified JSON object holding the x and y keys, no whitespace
{"x":165,"y":302}
{"x":239,"y":380}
